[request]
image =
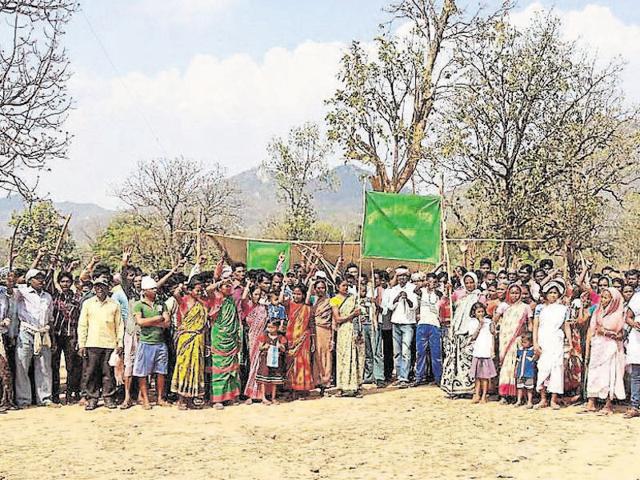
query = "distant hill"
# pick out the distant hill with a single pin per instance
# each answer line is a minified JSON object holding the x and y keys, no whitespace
{"x":87,"y":219}
{"x":341,"y":206}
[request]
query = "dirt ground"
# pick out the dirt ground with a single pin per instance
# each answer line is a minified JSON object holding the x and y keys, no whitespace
{"x":395,"y":434}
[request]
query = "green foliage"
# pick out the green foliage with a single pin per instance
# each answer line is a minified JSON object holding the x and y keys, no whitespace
{"x":39,"y":228}
{"x":129,"y":230}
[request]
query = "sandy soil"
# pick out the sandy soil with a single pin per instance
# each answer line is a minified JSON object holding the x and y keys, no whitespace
{"x":399,"y":434}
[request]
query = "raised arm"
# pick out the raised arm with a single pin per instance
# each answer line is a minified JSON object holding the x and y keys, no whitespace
{"x":179,"y":266}
{"x":309,"y":285}
{"x":336,"y":270}
{"x":87,"y":271}
{"x":39,"y":256}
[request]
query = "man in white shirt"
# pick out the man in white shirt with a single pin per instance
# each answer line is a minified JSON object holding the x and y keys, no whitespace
{"x":633,"y":354}
{"x":402,"y":302}
{"x":35,"y":314}
{"x":428,"y":331}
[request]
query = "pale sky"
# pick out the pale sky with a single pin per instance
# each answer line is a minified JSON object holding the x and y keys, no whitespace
{"x":214,"y":80}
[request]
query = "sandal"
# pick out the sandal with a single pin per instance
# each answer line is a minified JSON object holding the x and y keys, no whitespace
{"x":632,"y":413}
{"x":126,"y":405}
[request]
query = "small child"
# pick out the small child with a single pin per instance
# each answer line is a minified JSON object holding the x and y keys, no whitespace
{"x":271,"y":367}
{"x":482,"y":367}
{"x":525,"y":370}
{"x":276,"y":311}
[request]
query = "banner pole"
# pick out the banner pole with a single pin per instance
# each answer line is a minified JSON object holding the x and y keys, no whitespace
{"x":447,"y":258}
{"x":364,"y":206}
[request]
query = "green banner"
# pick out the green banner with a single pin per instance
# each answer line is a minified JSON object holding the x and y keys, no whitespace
{"x":402,"y":227}
{"x":264,"y":255}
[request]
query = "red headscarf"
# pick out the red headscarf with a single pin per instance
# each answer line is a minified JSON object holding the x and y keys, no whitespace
{"x":508,"y":298}
{"x":612,"y":317}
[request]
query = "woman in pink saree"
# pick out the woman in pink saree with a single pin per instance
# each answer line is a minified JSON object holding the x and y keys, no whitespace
{"x":604,"y":348}
{"x":255,"y":319}
{"x":513,"y":317}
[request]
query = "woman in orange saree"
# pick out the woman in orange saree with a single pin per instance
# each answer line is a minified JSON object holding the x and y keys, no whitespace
{"x":299,"y":335}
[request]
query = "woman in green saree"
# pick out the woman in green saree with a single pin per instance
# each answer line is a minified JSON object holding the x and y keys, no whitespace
{"x":225,"y":345}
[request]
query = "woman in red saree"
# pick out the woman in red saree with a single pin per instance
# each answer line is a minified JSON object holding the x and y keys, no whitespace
{"x":299,"y":335}
{"x":513,"y":317}
{"x":255,"y":319}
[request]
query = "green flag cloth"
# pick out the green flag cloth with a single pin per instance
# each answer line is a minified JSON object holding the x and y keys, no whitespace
{"x":402,"y":227}
{"x":265,"y":255}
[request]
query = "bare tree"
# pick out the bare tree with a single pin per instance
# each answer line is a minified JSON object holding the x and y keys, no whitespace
{"x":299,"y":168}
{"x":174,"y":193}
{"x":383,"y":112}
{"x":34,"y":100}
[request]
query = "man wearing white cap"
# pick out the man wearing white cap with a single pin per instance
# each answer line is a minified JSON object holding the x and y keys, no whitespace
{"x":100,"y":332}
{"x":152,"y":354}
{"x":402,"y":302}
{"x":35,"y":314}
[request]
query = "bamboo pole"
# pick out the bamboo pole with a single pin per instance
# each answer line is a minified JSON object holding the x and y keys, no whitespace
{"x":310,"y":242}
{"x":364,"y":206}
{"x":13,"y":243}
{"x":65,"y":226}
{"x":446,"y":251}
{"x":199,"y":237}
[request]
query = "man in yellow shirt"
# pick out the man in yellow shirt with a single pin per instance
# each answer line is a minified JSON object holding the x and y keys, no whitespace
{"x":100,"y":332}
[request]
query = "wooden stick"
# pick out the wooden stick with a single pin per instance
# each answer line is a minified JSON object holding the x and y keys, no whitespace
{"x":62,"y":234}
{"x":364,"y":203}
{"x":199,"y":237}
{"x":311,"y":242}
{"x":447,"y":260}
{"x":13,"y":243}
{"x":374,"y":320}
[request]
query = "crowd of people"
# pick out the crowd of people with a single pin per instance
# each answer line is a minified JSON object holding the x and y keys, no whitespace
{"x":527,"y":336}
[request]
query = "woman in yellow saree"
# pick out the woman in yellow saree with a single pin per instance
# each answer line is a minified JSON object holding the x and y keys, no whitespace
{"x":188,"y":375}
{"x":349,"y":344}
